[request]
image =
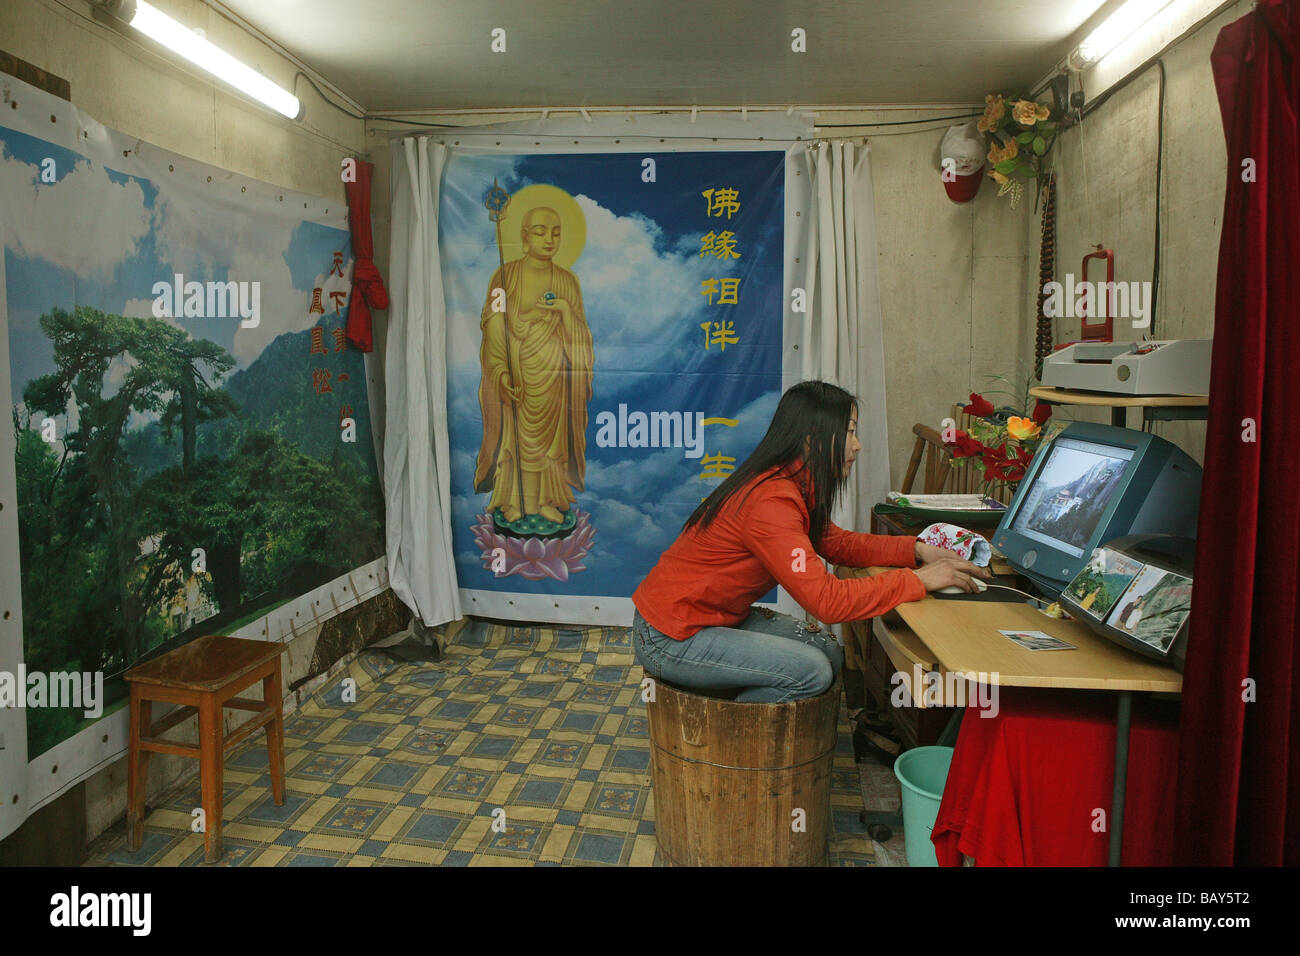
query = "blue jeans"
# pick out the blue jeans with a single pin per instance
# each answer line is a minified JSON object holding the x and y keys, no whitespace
{"x":774,"y":660}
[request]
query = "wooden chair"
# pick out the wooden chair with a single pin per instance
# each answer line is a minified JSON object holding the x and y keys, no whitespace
{"x":203,"y":676}
{"x":940,"y":475}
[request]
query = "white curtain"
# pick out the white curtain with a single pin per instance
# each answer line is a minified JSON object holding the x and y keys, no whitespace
{"x":417,"y":462}
{"x":842,"y":340}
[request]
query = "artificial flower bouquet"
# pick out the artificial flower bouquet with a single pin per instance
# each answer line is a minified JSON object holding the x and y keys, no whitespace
{"x":1003,"y":440}
{"x":1021,"y":133}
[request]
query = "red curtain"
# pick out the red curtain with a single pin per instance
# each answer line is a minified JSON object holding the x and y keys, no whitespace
{"x":367,"y":284}
{"x":1238,"y":798}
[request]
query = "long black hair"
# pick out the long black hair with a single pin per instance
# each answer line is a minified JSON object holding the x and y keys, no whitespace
{"x":817,"y":413}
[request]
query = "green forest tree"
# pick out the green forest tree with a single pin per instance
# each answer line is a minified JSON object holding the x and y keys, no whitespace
{"x":272,"y":520}
{"x":161,"y":375}
{"x":268,"y":506}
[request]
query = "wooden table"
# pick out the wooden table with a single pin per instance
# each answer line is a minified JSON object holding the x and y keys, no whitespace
{"x":203,"y":676}
{"x":961,"y":638}
{"x":864,"y":655}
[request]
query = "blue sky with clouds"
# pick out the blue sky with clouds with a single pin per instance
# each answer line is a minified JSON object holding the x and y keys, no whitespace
{"x":641,"y":272}
{"x":102,"y":237}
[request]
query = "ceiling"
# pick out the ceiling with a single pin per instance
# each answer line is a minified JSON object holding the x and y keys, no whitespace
{"x":435,"y":54}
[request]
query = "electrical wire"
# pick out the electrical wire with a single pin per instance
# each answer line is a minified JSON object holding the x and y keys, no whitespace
{"x":1160,"y":163}
{"x":1083,"y":156}
{"x":321,"y":94}
{"x":469,"y":128}
{"x":485,"y":130}
{"x":928,"y":119}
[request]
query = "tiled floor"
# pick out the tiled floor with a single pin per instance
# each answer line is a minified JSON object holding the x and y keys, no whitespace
{"x":523,"y":746}
{"x":880,"y":792}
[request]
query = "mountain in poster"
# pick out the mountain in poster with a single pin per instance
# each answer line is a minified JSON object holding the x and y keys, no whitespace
{"x":233,"y":495}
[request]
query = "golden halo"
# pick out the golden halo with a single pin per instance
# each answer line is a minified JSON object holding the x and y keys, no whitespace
{"x":573,"y":224}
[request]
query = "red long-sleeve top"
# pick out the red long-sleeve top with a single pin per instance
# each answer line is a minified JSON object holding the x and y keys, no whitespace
{"x":760,"y":539}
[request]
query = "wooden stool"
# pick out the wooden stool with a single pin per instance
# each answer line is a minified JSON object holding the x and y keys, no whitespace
{"x":729,"y":778}
{"x":203,"y":676}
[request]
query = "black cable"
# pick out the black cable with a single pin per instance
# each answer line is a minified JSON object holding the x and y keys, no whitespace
{"x":319,"y":93}
{"x":1160,"y":163}
{"x":471,"y":128}
{"x":929,"y":119}
{"x":394,"y":119}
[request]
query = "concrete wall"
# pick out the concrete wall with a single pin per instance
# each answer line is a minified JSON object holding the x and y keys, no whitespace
{"x":949,"y":277}
{"x":127,"y":82}
{"x":131,"y":85}
{"x":1106,"y":175}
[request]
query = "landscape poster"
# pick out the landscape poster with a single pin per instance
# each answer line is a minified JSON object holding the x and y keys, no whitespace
{"x":192,"y":437}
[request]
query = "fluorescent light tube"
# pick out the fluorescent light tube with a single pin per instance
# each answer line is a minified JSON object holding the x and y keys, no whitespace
{"x":158,"y":26}
{"x":1118,"y":27}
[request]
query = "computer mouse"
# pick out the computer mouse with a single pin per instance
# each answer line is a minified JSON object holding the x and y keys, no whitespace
{"x":980,"y":587}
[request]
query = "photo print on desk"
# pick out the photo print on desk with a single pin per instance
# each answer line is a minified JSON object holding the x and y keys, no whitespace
{"x":1037,"y":641}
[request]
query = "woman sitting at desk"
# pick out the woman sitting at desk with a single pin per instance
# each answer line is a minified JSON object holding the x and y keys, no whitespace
{"x":694,"y":625}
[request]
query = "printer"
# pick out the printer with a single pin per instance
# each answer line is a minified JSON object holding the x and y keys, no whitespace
{"x":1173,"y":367}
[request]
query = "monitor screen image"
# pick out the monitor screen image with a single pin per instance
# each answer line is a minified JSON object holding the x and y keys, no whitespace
{"x":1070,"y":493}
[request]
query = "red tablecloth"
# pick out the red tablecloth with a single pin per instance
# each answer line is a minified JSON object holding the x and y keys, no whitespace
{"x":1024,"y":786}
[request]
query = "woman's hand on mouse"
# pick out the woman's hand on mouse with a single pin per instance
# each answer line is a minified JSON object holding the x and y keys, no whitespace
{"x":950,"y":572}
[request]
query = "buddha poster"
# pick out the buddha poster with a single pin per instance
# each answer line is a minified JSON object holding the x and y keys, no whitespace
{"x":614,"y":351}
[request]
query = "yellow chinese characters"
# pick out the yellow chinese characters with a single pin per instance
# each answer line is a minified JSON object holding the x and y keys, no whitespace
{"x":727,"y":291}
{"x":722,"y":201}
{"x":720,"y":245}
{"x":722,"y":335}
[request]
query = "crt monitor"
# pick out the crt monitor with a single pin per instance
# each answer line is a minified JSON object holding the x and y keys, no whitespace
{"x":1089,"y":485}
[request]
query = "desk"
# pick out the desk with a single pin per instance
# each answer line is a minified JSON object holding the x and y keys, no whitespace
{"x":868,"y":667}
{"x":961,"y":637}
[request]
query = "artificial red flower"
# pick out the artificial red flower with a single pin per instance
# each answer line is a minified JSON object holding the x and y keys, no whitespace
{"x":1042,"y":412}
{"x":995,"y":461}
{"x":998,"y":454}
{"x":979,"y":406}
{"x":995,"y":472}
{"x":965,"y":446}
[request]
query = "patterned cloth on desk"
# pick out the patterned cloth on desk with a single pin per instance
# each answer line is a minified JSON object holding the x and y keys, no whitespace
{"x":970,"y":545}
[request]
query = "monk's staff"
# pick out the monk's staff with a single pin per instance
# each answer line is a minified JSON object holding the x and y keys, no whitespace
{"x":497,"y":201}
